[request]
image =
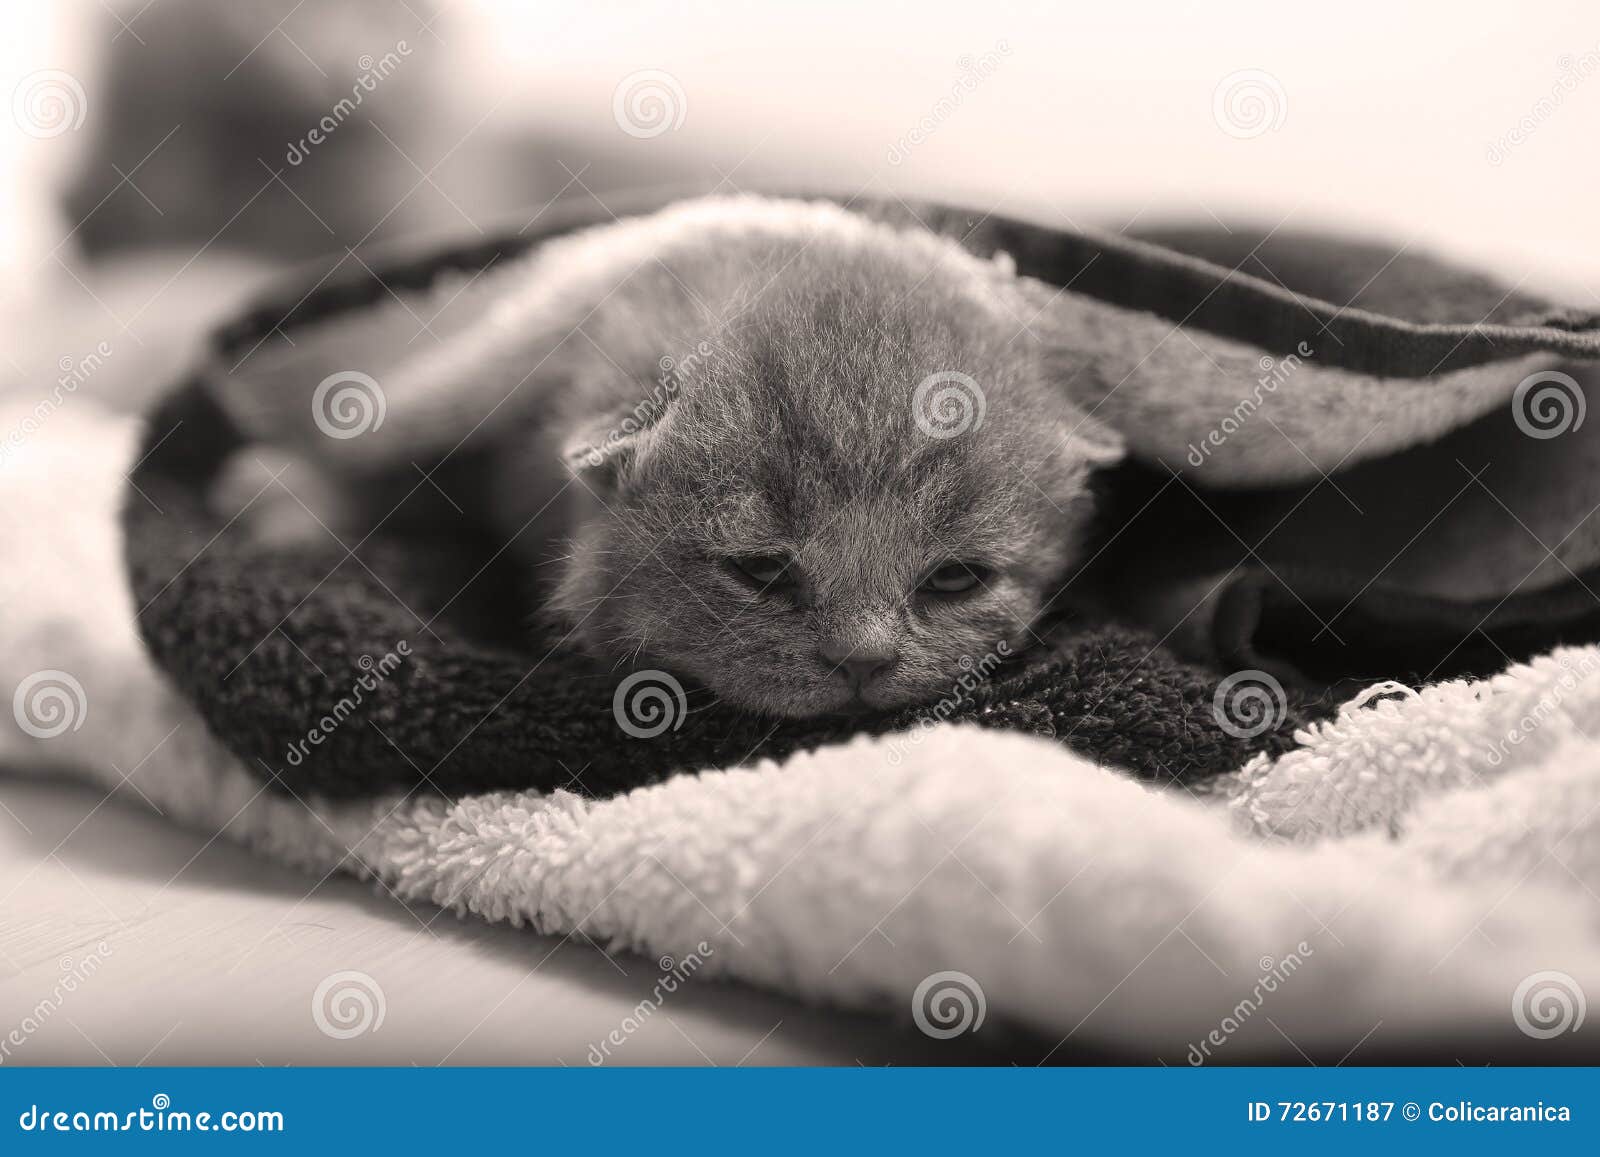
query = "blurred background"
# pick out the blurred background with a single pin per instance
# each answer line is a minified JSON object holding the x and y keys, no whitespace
{"x":212,"y":140}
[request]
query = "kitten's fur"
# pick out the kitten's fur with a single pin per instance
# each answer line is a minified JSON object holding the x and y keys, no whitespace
{"x":736,"y":377}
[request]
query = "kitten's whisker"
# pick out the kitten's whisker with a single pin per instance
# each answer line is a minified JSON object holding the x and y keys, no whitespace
{"x":573,"y":555}
{"x":598,"y":599}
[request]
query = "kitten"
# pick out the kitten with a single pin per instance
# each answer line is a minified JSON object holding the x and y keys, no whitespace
{"x":811,"y":460}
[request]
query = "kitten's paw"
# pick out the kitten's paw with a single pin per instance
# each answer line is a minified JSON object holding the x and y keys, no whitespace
{"x":282,"y":499}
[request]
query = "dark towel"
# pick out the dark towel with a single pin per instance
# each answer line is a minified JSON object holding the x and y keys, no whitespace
{"x":270,"y":645}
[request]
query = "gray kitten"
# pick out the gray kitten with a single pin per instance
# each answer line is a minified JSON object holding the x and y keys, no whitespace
{"x":814,"y":461}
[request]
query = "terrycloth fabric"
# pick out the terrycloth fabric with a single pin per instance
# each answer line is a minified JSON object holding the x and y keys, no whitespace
{"x":1394,"y":746}
{"x":1443,"y":909}
{"x":262,"y":640}
{"x":1173,"y":345}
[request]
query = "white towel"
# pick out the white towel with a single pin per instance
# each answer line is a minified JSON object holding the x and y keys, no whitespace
{"x":1417,"y":865}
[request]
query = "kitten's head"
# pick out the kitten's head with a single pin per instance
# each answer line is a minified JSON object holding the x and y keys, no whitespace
{"x":852,"y":495}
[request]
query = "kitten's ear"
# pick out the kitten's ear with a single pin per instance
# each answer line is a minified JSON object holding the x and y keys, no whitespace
{"x":602,"y":451}
{"x":1091,"y":440}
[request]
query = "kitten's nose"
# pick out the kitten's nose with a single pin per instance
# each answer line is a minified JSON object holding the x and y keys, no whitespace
{"x":861,"y":665}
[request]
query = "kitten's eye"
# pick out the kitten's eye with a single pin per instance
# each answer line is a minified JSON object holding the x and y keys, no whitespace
{"x":764,"y":570}
{"x":954,"y":578}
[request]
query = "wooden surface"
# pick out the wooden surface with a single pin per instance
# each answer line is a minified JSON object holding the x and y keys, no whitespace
{"x":213,"y":956}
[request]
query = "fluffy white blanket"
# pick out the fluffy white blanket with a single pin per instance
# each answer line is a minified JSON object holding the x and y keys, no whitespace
{"x":1425,"y":867}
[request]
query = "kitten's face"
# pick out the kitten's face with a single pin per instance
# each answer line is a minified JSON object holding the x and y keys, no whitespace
{"x":805,"y":531}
